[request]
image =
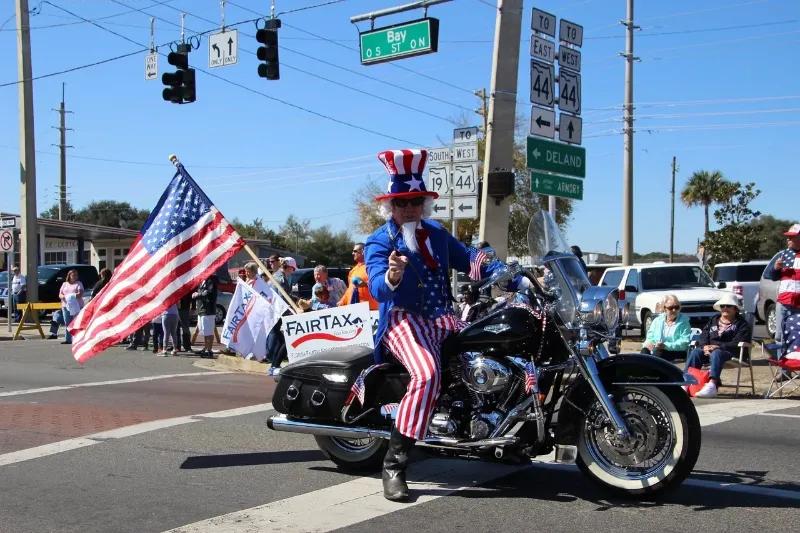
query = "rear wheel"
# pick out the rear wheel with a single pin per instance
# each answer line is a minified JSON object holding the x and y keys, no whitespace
{"x":361,"y":455}
{"x":771,"y":320}
{"x":647,"y":319}
{"x":661,"y":452}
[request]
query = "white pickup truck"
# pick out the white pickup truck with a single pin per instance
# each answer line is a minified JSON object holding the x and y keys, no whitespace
{"x":645,"y":285}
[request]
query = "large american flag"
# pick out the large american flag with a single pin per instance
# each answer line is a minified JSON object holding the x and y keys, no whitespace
{"x":183,"y":242}
{"x":476,"y":259}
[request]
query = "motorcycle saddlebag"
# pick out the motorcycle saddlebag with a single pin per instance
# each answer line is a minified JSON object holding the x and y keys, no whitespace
{"x":318,"y":387}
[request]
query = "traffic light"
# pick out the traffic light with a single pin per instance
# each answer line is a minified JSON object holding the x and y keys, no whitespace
{"x":181,"y":83}
{"x":268,"y":36}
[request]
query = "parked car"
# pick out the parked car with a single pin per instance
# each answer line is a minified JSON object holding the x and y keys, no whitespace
{"x":50,"y":279}
{"x":767,"y":297}
{"x":740,"y":278}
{"x":302,"y":280}
{"x":644,"y":287}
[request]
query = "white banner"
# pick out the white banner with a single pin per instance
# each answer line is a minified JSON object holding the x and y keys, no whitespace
{"x":318,"y":331}
{"x":251,"y":315}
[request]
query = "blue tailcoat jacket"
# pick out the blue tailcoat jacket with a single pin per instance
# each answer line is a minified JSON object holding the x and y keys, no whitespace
{"x":411,"y":293}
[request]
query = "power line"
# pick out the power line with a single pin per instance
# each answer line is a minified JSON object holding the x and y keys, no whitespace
{"x":711,"y":114}
{"x":312,"y":74}
{"x":156,"y":4}
{"x":231,"y":82}
{"x":73,"y":69}
{"x":282,"y":178}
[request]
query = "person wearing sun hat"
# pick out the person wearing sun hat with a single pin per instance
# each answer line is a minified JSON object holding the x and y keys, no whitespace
{"x":719,"y":342}
{"x":408,"y":263}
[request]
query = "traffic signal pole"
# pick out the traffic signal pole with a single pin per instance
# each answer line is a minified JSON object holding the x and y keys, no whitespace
{"x":501,"y":120}
{"x":27,"y":154}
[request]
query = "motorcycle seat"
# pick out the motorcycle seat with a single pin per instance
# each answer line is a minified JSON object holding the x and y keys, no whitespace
{"x":355,"y":357}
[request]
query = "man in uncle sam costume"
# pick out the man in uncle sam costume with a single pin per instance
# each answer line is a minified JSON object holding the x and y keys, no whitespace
{"x":408,"y":261}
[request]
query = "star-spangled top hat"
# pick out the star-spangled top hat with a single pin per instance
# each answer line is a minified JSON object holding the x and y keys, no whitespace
{"x":405,"y":174}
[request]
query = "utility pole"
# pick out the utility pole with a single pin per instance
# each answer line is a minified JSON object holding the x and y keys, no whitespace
{"x":27,"y":153}
{"x":627,"y":162}
{"x":672,"y":216}
{"x":501,"y":121}
{"x":62,"y":194}
{"x":483,"y":111}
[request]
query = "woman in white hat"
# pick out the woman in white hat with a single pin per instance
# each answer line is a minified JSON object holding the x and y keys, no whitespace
{"x":719,"y":342}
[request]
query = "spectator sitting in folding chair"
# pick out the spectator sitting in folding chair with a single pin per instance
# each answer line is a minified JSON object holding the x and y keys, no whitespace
{"x":719,"y":342}
{"x":788,"y":366}
{"x":670,"y":333}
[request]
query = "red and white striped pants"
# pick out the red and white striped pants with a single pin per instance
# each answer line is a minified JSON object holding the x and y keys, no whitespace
{"x":417,"y":342}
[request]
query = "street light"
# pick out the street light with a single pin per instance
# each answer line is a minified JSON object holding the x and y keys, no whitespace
{"x":616,"y":247}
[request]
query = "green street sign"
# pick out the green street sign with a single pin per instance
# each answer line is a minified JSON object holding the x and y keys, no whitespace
{"x":401,"y":40}
{"x":556,"y":157}
{"x":556,"y":186}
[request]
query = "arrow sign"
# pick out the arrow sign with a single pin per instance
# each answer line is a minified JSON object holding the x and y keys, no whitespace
{"x":536,"y":153}
{"x":438,"y":208}
{"x":230,"y":45}
{"x":6,"y":241}
{"x":543,"y":122}
{"x":570,"y":129}
{"x":216,"y":49}
{"x":540,"y":122}
{"x":556,"y":157}
{"x":463,"y":207}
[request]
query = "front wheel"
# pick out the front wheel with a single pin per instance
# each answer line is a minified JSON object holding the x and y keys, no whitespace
{"x":771,"y":320}
{"x":357,"y":455}
{"x":661,"y":452}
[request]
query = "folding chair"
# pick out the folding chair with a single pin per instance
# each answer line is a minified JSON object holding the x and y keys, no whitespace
{"x":782,"y":369}
{"x":741,"y":362}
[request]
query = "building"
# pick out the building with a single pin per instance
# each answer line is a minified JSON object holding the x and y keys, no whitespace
{"x":64,"y":242}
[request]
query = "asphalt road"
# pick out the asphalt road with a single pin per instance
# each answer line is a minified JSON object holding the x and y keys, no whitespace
{"x":135,"y":443}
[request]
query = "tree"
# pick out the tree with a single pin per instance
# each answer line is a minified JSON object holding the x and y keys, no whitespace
{"x":295,"y":232}
{"x":256,"y":230}
{"x":52,"y":212}
{"x":524,"y":204}
{"x":769,"y":232}
{"x":324,"y":247}
{"x":736,"y":240}
{"x":706,"y":188}
{"x":108,"y":213}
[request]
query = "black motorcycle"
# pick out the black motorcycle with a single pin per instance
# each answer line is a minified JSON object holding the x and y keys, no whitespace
{"x":531,"y":378}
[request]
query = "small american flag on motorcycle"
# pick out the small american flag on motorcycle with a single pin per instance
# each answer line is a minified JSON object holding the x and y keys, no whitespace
{"x":530,"y":377}
{"x":359,"y":388}
{"x":476,"y":259}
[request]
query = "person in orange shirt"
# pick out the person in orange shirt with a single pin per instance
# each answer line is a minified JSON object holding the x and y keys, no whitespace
{"x":357,"y":281}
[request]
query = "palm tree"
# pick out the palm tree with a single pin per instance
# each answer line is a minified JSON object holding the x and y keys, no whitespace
{"x":705,"y":188}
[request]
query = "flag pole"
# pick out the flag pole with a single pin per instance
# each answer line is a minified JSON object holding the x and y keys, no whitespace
{"x":295,"y":308}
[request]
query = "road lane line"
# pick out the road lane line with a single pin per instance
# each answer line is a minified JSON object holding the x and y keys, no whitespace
{"x":128,"y":431}
{"x":362,"y":499}
{"x":112,"y":382}
{"x":779,"y":414}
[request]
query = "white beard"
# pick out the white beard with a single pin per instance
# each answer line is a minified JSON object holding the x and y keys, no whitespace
{"x":409,"y":230}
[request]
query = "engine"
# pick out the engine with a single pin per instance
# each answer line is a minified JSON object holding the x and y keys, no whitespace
{"x":480,"y":392}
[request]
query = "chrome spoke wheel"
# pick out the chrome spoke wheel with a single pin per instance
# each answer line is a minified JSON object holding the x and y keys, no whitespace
{"x":353,"y":445}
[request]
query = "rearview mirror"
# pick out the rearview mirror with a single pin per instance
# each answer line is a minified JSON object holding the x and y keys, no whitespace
{"x":722,"y":285}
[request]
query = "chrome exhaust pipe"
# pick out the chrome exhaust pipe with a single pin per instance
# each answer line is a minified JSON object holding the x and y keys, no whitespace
{"x":281,"y":423}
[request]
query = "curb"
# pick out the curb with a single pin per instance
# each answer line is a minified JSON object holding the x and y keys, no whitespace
{"x":233,"y":362}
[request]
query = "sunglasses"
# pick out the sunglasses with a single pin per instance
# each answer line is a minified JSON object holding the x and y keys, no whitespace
{"x":727,"y":306}
{"x":416,"y":202}
{"x":673,"y":307}
{"x":357,"y":251}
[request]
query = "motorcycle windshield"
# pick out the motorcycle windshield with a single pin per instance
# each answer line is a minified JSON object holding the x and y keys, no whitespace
{"x":562,"y":270}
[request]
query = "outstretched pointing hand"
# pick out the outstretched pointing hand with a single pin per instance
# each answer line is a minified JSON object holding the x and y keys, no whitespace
{"x":397,"y":265}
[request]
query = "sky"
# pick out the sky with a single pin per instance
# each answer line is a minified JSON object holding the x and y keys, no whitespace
{"x":717,"y":87}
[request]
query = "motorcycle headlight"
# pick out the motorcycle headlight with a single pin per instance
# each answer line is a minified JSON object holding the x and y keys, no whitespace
{"x":591,"y":312}
{"x":611,"y":311}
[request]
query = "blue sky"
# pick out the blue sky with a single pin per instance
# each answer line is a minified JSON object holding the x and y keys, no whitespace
{"x":736,"y":90}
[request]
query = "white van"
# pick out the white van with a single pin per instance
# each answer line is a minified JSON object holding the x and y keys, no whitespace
{"x":742,"y":279}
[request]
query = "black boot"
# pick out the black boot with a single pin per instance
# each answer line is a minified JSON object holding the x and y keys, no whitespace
{"x":394,"y":467}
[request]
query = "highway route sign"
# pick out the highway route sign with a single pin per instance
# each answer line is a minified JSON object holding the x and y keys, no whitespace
{"x":552,"y":185}
{"x":543,"y":22}
{"x":543,"y":49}
{"x":569,"y":58}
{"x":441,"y":208}
{"x":465,"y":179}
{"x":570,"y":32}
{"x":543,"y":122}
{"x":465,"y":153}
{"x":151,"y":66}
{"x":439,"y":180}
{"x":570,"y":129}
{"x":439,"y":156}
{"x":551,"y":156}
{"x":569,"y":92}
{"x":542,"y":75}
{"x":465,"y":207}
{"x":6,"y":241}
{"x":223,"y":48}
{"x":465,"y":135}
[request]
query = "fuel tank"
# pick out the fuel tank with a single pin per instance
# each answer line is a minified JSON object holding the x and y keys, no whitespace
{"x":507,"y":331}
